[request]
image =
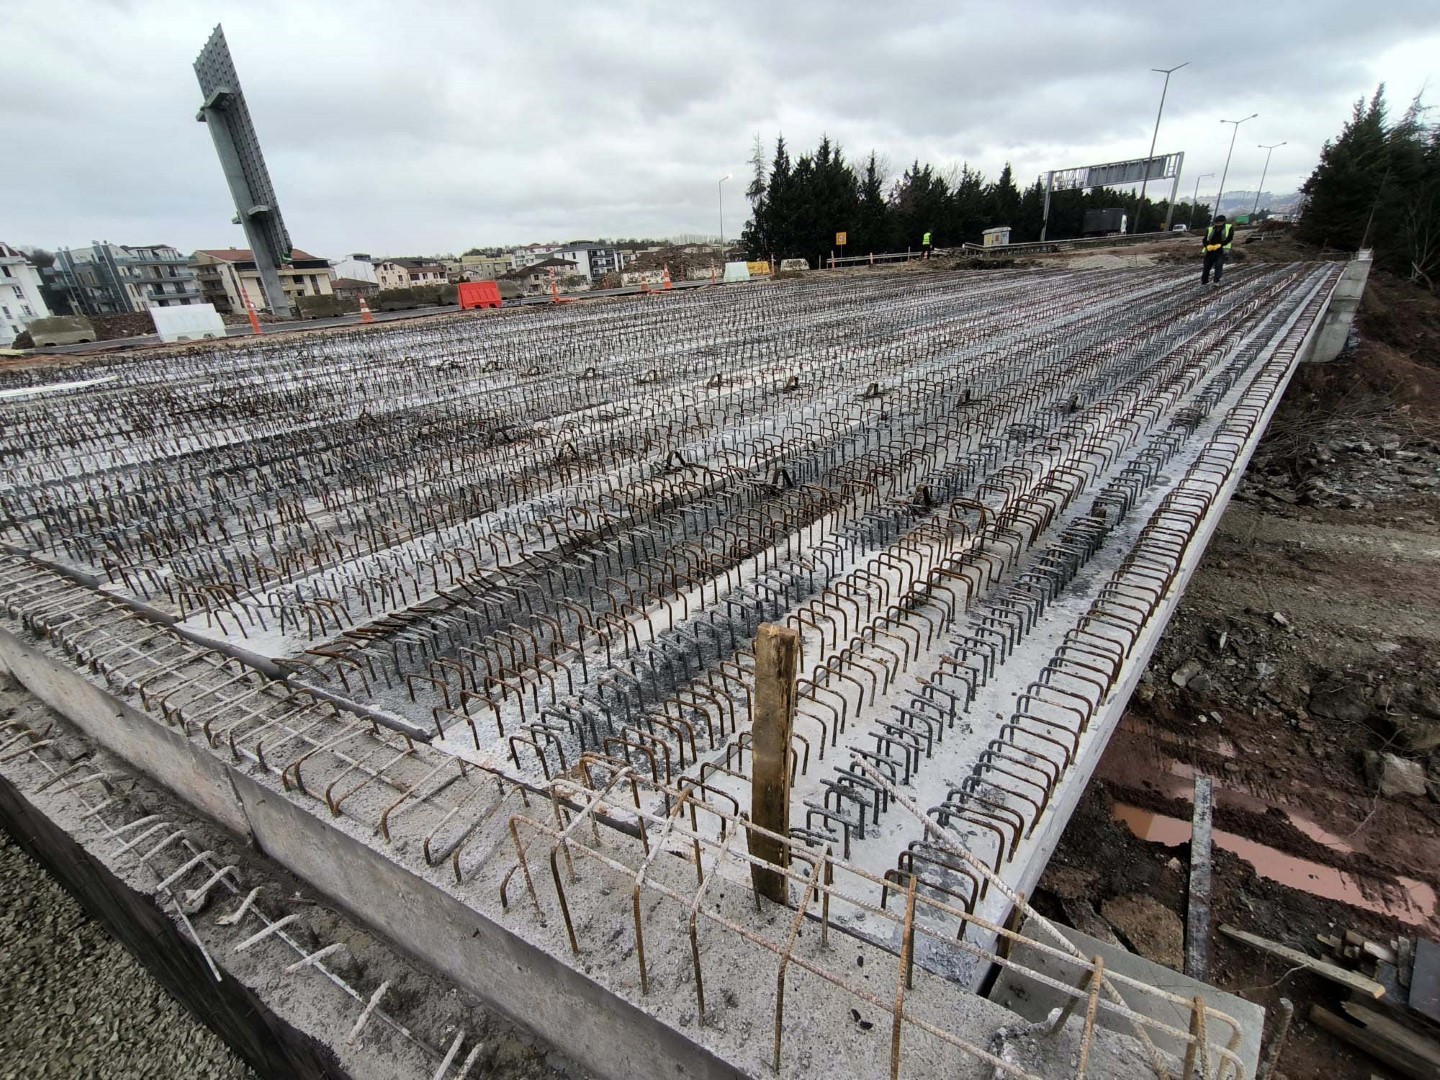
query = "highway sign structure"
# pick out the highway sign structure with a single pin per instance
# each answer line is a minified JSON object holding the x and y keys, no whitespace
{"x":1113,"y":174}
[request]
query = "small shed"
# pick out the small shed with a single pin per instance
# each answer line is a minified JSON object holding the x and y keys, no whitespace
{"x":996,"y":237}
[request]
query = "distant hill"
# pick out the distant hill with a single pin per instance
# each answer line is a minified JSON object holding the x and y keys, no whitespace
{"x":1242,"y":202}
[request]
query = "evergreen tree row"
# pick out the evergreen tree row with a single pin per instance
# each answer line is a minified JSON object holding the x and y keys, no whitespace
{"x":797,"y":206}
{"x":1378,"y":185}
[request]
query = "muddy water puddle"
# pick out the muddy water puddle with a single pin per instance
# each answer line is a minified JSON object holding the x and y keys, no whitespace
{"x":1411,"y":902}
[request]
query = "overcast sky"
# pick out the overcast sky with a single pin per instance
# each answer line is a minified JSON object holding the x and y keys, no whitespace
{"x":431,"y":127}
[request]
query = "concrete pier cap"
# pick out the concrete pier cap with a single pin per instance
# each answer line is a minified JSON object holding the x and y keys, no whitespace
{"x":1339,"y":317}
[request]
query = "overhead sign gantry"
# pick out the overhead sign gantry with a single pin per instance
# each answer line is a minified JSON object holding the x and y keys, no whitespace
{"x":1114,"y":174}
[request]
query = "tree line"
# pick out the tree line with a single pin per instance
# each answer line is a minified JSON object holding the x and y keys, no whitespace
{"x":1378,"y":186}
{"x":797,"y":206}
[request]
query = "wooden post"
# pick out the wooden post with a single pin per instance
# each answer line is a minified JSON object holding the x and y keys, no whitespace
{"x":1197,"y":922}
{"x":777,"y":653}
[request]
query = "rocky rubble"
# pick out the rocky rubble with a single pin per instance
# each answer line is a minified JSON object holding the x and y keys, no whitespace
{"x":1271,"y":666}
{"x":1348,"y":471}
{"x":73,"y":1002}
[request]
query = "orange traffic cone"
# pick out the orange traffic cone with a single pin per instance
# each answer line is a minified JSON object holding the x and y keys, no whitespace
{"x":365,"y":316}
{"x":250,"y":310}
{"x":667,"y":276}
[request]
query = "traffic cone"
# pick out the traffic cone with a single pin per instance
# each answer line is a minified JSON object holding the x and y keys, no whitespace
{"x":250,"y":310}
{"x":667,"y":276}
{"x":365,"y":316}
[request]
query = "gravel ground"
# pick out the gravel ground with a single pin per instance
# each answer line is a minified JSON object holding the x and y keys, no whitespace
{"x":73,"y":1002}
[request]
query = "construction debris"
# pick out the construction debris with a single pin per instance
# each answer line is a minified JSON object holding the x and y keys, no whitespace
{"x":1358,"y":983}
{"x":1392,"y":775}
{"x":1409,"y":1052}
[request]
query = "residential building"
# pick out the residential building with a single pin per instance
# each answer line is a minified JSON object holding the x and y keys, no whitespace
{"x":108,"y":278}
{"x":529,"y":256}
{"x":592,"y":261}
{"x":358,"y":267}
{"x":537,"y":278}
{"x":229,"y":275}
{"x":478,"y":267}
{"x":21,"y":301}
{"x":354,"y":288}
{"x":396,"y":273}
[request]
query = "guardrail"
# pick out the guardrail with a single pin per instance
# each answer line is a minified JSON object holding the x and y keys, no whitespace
{"x":1046,"y":247}
{"x":1039,"y":247}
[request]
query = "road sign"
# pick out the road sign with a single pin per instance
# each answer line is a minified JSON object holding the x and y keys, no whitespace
{"x":839,"y":239}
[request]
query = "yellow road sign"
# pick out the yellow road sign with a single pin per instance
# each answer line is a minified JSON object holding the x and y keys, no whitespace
{"x":839,"y":239}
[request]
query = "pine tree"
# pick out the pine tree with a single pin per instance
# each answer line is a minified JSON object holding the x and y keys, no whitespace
{"x":1026,"y":226}
{"x":1002,"y":200}
{"x":872,"y":227}
{"x":1342,"y":192}
{"x":1378,"y":185}
{"x":753,"y":235}
{"x":920,"y":202}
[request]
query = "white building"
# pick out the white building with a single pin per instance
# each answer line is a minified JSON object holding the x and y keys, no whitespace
{"x":592,"y":261}
{"x":357,"y":267}
{"x":21,"y":301}
{"x":407,"y":273}
{"x":530,"y":256}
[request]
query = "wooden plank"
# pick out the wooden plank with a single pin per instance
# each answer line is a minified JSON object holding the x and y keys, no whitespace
{"x":1424,"y":996}
{"x":1355,"y":981}
{"x":1197,"y":917}
{"x":1390,"y":1029}
{"x":1386,"y":976}
{"x":1377,"y":951}
{"x":1342,"y":1029}
{"x":777,"y":655}
{"x":1397,"y":1057}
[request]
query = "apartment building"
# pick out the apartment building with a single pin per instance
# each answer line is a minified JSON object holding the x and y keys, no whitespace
{"x":397,"y":273}
{"x":21,"y":301}
{"x":592,"y":261}
{"x":229,"y":275}
{"x":106,"y":278}
{"x":478,"y":267}
{"x":531,"y":255}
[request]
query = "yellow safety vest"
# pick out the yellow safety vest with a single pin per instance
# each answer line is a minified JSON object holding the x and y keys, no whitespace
{"x":1229,"y":232}
{"x":927,"y":239}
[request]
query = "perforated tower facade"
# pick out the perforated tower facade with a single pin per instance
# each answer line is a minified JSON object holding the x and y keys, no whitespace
{"x":256,"y":209}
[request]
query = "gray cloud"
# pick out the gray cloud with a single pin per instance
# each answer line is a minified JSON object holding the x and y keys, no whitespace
{"x":435,"y":126}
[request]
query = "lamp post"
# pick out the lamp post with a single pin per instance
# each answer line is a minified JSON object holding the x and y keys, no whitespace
{"x":1195,"y":199}
{"x":1145,"y":178}
{"x":720,"y":190}
{"x":1220,"y":198}
{"x":1263,"y":173}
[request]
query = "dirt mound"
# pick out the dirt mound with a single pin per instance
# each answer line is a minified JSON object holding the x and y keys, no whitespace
{"x":1395,"y":365}
{"x":676,"y":258}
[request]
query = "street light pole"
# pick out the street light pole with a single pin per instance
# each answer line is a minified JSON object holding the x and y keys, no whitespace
{"x":1195,"y":199}
{"x":1263,"y":173}
{"x":1145,"y":178}
{"x":720,"y":189}
{"x":1220,"y":198}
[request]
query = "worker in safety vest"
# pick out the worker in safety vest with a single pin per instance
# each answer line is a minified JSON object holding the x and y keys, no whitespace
{"x":925,"y":244}
{"x":1217,"y":247}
